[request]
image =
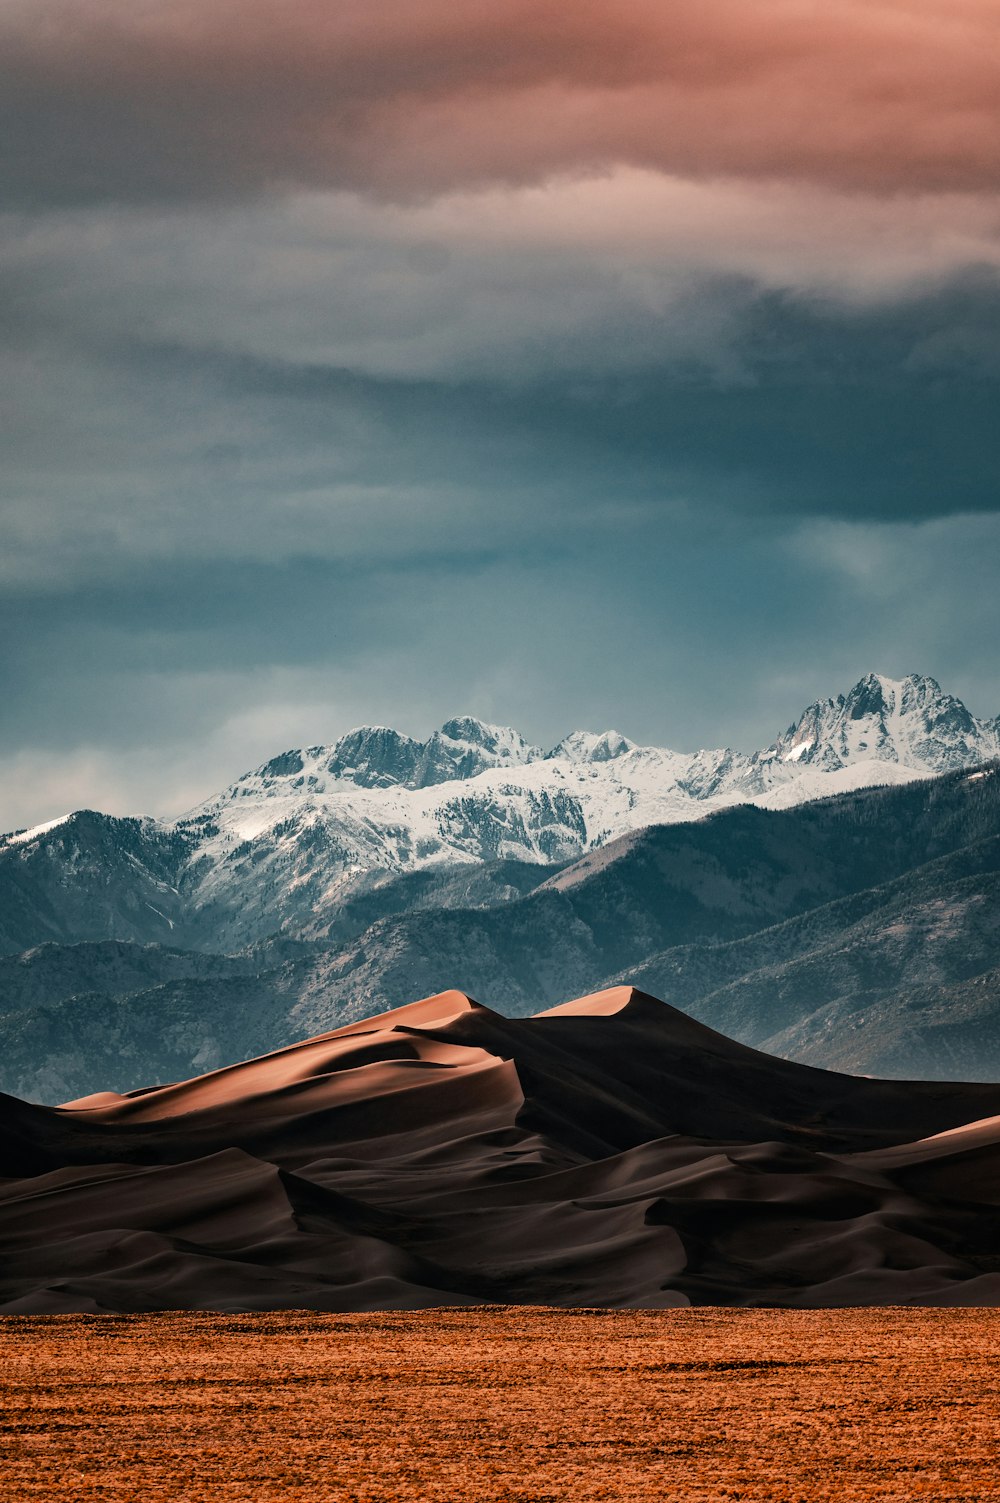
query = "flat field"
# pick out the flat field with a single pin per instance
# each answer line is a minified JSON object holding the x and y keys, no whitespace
{"x":503,"y":1404}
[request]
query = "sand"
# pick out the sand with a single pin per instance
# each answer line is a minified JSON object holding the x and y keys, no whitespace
{"x":501,"y":1405}
{"x":613,"y":1152}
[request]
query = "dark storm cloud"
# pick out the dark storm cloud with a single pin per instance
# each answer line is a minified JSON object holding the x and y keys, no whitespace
{"x":878,"y":414}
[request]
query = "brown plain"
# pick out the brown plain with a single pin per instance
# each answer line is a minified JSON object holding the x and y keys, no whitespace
{"x":502,"y":1404}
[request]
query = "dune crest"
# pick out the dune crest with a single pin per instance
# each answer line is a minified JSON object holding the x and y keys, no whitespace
{"x":597,"y":1005}
{"x":427,"y":1012}
{"x":610,"y":1151}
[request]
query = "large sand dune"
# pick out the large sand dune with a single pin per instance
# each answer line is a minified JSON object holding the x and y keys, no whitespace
{"x":609,"y":1152}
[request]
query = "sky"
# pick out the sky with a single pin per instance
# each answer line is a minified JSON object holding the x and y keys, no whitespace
{"x":570,"y":365}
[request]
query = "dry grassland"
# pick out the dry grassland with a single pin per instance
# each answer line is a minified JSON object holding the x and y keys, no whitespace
{"x":502,"y":1404}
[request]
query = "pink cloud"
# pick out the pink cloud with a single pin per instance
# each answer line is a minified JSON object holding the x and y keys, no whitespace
{"x":407,"y":97}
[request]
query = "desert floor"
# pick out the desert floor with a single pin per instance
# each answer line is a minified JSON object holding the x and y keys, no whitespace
{"x":503,"y":1404}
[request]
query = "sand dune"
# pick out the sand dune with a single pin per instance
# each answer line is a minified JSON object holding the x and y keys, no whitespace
{"x":611,"y":1151}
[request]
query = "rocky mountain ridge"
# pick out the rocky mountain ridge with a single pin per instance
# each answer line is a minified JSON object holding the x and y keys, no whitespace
{"x":288,"y":844}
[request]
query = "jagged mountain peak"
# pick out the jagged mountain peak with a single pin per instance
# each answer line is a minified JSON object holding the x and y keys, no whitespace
{"x":375,"y":756}
{"x":495,"y":738}
{"x":873,"y":695}
{"x":877,"y":694}
{"x":592,"y":746}
{"x":465,"y":746}
{"x":909,"y":722}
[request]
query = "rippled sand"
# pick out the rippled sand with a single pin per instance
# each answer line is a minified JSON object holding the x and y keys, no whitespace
{"x":502,"y":1404}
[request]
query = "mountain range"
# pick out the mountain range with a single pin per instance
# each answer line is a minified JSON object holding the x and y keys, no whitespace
{"x":283,"y":848}
{"x":858,"y":929}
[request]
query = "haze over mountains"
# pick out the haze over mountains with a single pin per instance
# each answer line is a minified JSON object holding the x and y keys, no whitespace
{"x":337,"y":881}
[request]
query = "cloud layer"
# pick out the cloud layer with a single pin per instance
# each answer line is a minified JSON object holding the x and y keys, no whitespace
{"x":139,"y":99}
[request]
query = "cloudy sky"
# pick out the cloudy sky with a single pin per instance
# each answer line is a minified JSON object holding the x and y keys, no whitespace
{"x":569,"y":364}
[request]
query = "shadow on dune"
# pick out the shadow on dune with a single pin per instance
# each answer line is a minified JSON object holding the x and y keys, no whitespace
{"x":609,"y":1152}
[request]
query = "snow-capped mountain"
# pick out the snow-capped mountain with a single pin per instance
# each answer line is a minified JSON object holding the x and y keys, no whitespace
{"x":475,"y":791}
{"x":910,"y":724}
{"x":282,"y":846}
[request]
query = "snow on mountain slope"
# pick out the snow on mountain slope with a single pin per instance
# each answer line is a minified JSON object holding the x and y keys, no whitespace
{"x":310,"y":820}
{"x":25,"y":837}
{"x":309,"y":832}
{"x":282,"y":845}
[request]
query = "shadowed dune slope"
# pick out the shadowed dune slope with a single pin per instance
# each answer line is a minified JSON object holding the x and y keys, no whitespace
{"x":611,"y":1151}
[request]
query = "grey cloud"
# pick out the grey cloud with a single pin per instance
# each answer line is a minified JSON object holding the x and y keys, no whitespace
{"x":149,"y":412}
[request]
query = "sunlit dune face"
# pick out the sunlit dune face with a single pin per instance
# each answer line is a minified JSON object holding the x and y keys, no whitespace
{"x":604,"y":1004}
{"x":417,"y":97}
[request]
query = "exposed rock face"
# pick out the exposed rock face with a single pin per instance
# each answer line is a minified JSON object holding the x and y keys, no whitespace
{"x":372,"y":757}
